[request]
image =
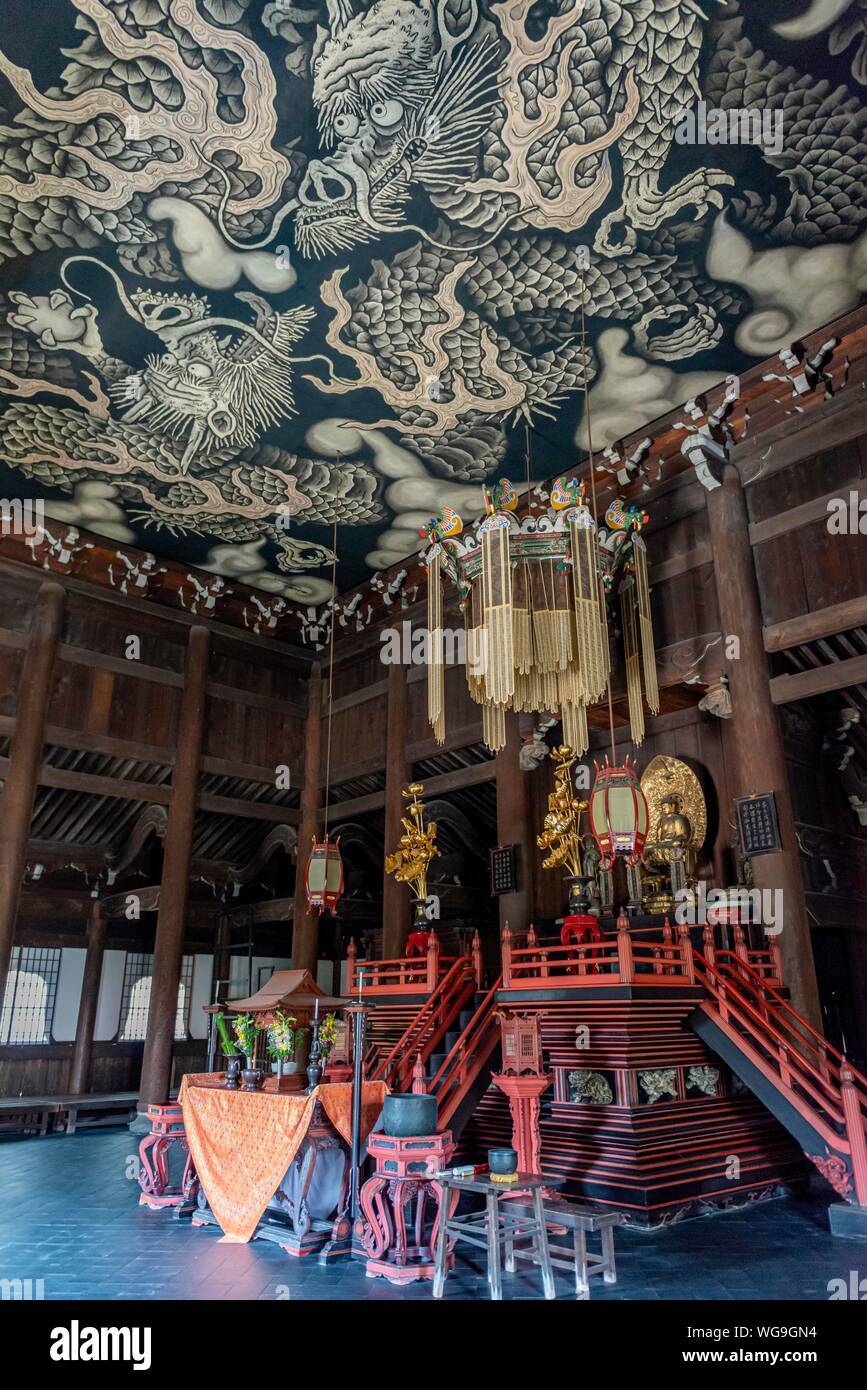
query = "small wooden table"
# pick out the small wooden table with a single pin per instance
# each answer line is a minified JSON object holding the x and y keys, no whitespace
{"x":500,"y":1219}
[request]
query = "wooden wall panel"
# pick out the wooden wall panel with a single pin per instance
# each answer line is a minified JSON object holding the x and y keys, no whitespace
{"x":367,"y":668}
{"x":144,"y":711}
{"x":10,"y":674}
{"x":225,"y":722}
{"x":357,"y":734}
{"x":282,"y":742}
{"x":684,"y":607}
{"x":812,"y":477}
{"x":105,"y":627}
{"x":70,"y":699}
{"x":115,"y":1067}
{"x":808,"y":569}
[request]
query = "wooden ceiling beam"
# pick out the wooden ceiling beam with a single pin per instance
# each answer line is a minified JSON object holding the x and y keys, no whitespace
{"x":803,"y":685}
{"x":803,"y":515}
{"x":823,"y":622}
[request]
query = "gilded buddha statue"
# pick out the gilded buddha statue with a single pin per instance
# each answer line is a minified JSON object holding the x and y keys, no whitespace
{"x":674,"y":839}
{"x":678,"y":821}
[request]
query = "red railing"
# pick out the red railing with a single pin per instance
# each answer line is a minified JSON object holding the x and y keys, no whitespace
{"x":405,"y":974}
{"x":429,"y":1026}
{"x":462,"y":1065}
{"x":816,"y":1079}
{"x":764,"y":961}
{"x":622,"y":959}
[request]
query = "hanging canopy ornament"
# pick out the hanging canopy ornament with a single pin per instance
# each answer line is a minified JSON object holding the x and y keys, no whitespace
{"x":618,"y":813}
{"x":324,"y":878}
{"x":536,"y":608}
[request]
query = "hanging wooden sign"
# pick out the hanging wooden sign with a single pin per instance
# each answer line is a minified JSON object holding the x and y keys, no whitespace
{"x":758,"y":826}
{"x":504,"y":870}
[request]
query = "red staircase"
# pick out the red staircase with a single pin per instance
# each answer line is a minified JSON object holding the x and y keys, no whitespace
{"x":810,"y":1087}
{"x":428,"y":1026}
{"x":465,"y":1073}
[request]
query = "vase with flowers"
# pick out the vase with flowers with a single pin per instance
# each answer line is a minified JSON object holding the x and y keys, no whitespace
{"x":284,"y":1036}
{"x":247,"y":1035}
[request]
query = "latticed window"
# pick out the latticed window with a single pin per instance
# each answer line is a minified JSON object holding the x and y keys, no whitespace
{"x":136,"y":997}
{"x":28,"y":1002}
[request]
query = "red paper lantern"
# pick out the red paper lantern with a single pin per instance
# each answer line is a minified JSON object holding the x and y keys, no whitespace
{"x":324,"y":878}
{"x":619,"y":817}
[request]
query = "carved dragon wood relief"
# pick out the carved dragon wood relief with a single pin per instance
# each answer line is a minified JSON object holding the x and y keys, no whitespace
{"x":268,"y":266}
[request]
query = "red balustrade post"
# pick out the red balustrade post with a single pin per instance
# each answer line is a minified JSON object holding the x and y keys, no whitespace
{"x":823,"y":1062}
{"x":351,"y":954}
{"x":855,"y":1132}
{"x":625,"y":964}
{"x":506,"y":955}
{"x":433,"y":959}
{"x":532,"y":938}
{"x":686,"y":952}
{"x":741,"y":944}
{"x":419,"y":1082}
{"x":667,"y":937}
{"x":708,"y":943}
{"x":777,"y":958}
{"x":783,"y":1059}
{"x":477,"y":958}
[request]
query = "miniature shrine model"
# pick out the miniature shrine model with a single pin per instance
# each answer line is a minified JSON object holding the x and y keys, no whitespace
{"x":433,"y":566}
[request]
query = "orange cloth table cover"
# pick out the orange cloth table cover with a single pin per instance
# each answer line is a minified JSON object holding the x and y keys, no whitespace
{"x":242,"y":1142}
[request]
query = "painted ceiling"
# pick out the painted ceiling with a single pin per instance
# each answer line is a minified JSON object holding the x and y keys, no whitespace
{"x":265,"y":267}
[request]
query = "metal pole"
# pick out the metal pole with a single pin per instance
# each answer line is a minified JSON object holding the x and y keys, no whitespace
{"x":357,"y":1082}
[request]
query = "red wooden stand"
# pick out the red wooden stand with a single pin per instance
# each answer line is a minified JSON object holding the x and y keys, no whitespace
{"x":167,"y":1128}
{"x":524,"y":1093}
{"x":404,"y":1174}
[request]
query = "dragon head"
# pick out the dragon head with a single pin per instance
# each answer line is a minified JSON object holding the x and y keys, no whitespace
{"x":399,"y":105}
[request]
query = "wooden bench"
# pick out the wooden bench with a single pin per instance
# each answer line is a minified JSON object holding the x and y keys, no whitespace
{"x":32,"y":1114}
{"x":577,"y":1259}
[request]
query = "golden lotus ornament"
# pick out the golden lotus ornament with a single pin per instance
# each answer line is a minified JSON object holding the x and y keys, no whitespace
{"x":415,"y":849}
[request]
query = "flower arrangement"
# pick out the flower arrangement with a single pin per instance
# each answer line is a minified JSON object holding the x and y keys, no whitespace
{"x":283,"y":1037}
{"x":327,"y":1036}
{"x":245,"y":1032}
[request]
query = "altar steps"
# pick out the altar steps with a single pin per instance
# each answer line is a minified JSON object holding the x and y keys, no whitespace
{"x":812,"y":1089}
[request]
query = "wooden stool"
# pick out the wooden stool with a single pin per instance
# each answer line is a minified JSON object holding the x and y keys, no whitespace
{"x":511,"y":1220}
{"x":577,"y":1258}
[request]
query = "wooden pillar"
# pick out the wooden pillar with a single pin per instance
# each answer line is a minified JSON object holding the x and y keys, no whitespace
{"x":79,"y":1076}
{"x":395,"y":898}
{"x":756,"y":738}
{"x":222,"y":959}
{"x":25,"y":758}
{"x":305,"y":924}
{"x":174,"y":887}
{"x":514,"y":827}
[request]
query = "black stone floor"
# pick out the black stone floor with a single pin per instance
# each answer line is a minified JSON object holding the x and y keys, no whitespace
{"x":69,"y":1215}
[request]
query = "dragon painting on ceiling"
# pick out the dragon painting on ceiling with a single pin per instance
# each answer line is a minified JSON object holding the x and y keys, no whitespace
{"x":265,"y":267}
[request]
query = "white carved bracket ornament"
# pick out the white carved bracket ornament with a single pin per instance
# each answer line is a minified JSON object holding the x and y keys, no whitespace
{"x":625,"y":469}
{"x":859,"y":806}
{"x":204,"y":597}
{"x":804,"y":374}
{"x":60,"y":553}
{"x":710,"y":436}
